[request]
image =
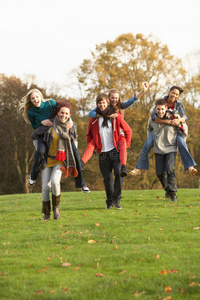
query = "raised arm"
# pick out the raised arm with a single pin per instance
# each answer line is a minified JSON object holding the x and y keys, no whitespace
{"x":136,"y":97}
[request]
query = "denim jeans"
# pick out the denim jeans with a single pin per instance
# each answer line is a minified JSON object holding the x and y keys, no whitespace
{"x":109,"y":161}
{"x":40,"y":152}
{"x":79,"y":180}
{"x":165,"y":164}
{"x":143,"y":160}
{"x":51,"y":177}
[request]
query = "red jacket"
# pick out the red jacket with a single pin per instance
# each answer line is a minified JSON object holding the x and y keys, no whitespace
{"x":117,"y":123}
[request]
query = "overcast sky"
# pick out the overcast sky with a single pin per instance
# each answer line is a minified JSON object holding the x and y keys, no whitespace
{"x":49,"y":38}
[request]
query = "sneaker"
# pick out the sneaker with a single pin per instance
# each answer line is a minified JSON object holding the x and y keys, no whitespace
{"x":118,"y":206}
{"x":123,"y":171}
{"x":109,"y":206}
{"x":173,"y":197}
{"x":192,"y":171}
{"x":85,"y":189}
{"x":135,"y":172}
{"x":167,"y":195}
{"x":31,"y":181}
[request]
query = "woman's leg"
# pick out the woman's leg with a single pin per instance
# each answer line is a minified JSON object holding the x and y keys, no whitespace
{"x":122,"y":154}
{"x":79,"y":180}
{"x":39,"y":154}
{"x":186,"y":157}
{"x":143,"y":160}
{"x":89,"y":151}
{"x":55,"y":183}
{"x":46,"y":187}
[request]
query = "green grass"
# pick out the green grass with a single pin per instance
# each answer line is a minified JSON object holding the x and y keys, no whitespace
{"x":131,"y":247}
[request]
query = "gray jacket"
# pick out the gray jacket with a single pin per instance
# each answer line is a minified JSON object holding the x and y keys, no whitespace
{"x":164,"y":137}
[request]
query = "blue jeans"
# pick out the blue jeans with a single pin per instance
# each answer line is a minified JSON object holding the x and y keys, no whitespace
{"x":143,"y":160}
{"x":79,"y":180}
{"x":40,"y":152}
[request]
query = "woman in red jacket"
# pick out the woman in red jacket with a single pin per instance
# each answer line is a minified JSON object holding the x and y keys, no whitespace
{"x":104,"y":134}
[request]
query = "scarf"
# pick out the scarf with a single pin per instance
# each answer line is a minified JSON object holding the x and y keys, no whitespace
{"x":65,"y":152}
{"x":106,"y":112}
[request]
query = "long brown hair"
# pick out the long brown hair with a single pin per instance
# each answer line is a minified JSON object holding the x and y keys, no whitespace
{"x":119,"y":103}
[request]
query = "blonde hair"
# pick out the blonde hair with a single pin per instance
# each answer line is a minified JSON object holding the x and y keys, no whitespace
{"x":119,"y":103}
{"x":26,"y":103}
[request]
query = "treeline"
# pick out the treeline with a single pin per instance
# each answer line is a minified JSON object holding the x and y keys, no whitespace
{"x":124,"y":64}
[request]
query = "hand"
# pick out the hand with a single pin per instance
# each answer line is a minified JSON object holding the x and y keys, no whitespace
{"x":70,"y":124}
{"x":175,"y":122}
{"x":113,"y":115}
{"x":145,"y":86}
{"x":47,"y":122}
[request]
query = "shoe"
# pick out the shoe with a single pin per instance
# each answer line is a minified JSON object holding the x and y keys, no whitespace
{"x":173,"y":197}
{"x":123,"y":171}
{"x":85,"y":189}
{"x":167,"y":195}
{"x":109,"y":206}
{"x":46,"y":217}
{"x":192,"y":171}
{"x":135,"y":172}
{"x":31,"y":181}
{"x":118,"y":206}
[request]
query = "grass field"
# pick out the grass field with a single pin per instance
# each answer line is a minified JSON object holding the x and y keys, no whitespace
{"x":148,"y":250}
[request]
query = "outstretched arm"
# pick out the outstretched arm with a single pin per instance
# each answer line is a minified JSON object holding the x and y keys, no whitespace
{"x":135,"y":98}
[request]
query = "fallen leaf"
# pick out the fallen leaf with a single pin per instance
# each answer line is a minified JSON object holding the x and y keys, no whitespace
{"x":97,"y":224}
{"x":92,"y":242}
{"x":196,"y":228}
{"x":40,"y":292}
{"x":158,"y":256}
{"x":163,"y":272}
{"x":167,"y":298}
{"x":76,"y":269}
{"x":99,"y":275}
{"x":65,"y":290}
{"x":193,"y":284}
{"x":52,"y":291}
{"x":122,"y":272}
{"x":173,"y":271}
{"x":66,"y":265}
{"x":168,"y":289}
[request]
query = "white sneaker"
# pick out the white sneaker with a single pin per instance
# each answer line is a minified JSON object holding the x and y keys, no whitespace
{"x":135,"y":172}
{"x":85,"y":189}
{"x":31,"y":181}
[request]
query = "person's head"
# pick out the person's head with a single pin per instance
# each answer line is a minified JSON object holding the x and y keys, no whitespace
{"x":63,"y":111}
{"x":102,"y":101}
{"x":174,"y":93}
{"x":161,"y":108}
{"x":33,"y":98}
{"x":115,"y":99}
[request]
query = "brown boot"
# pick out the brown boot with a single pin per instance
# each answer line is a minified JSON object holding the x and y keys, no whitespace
{"x":55,"y":203}
{"x":46,"y":209}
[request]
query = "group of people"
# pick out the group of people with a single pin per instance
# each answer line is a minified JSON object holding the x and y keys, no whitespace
{"x":55,"y":140}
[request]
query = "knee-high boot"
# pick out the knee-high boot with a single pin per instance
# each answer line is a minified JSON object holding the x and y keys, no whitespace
{"x":46,"y":209}
{"x":55,"y":203}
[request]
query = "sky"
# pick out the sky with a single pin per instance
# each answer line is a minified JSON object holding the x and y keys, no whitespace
{"x":50,"y":38}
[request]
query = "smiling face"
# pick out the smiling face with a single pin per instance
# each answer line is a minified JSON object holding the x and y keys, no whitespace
{"x":173,"y":95}
{"x":114,"y":98}
{"x":102,"y":104}
{"x":64,"y":114}
{"x":161,"y":110}
{"x":36,"y":99}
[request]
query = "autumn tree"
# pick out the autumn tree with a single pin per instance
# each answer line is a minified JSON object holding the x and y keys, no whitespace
{"x":125,"y":64}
